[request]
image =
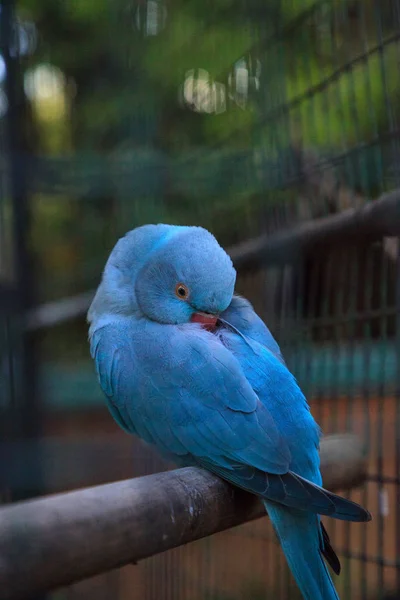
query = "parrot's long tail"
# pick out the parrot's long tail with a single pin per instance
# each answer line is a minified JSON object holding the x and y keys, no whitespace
{"x":300,"y":537}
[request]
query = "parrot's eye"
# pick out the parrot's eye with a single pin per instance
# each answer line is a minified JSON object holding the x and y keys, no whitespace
{"x":181,"y":291}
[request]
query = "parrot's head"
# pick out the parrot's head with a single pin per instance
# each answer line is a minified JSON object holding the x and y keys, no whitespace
{"x":169,"y":274}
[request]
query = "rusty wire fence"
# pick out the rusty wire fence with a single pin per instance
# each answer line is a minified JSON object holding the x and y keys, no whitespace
{"x":250,"y":120}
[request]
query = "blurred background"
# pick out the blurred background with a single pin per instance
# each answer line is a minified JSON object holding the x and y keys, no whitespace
{"x":247,"y":117}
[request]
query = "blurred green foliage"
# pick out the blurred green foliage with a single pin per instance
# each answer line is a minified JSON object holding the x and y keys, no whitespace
{"x":129,"y":129}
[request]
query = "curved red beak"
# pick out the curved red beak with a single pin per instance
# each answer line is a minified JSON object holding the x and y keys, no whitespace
{"x":206,"y":320}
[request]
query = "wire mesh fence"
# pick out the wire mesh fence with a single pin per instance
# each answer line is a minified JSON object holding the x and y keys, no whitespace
{"x":248,"y":118}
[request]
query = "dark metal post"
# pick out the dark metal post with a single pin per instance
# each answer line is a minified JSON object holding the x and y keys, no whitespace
{"x":23,"y":420}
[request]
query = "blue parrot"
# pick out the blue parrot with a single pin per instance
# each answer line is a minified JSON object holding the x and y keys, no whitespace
{"x":190,"y":368}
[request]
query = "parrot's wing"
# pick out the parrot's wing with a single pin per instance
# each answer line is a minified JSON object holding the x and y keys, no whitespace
{"x":181,"y":389}
{"x":241,"y":315}
{"x":266,"y":372}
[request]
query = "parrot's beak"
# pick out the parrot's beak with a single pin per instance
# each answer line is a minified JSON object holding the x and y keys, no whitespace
{"x":206,"y":320}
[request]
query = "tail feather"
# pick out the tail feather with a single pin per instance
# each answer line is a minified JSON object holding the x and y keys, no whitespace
{"x":299,"y":533}
{"x":328,"y":552}
{"x":290,"y":490}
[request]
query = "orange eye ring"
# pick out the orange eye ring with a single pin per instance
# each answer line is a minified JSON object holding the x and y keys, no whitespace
{"x":181,"y":291}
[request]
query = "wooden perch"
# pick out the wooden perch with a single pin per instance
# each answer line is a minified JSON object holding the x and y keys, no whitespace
{"x":59,"y":311}
{"x":61,"y":539}
{"x":324,"y":185}
{"x":375,"y":220}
